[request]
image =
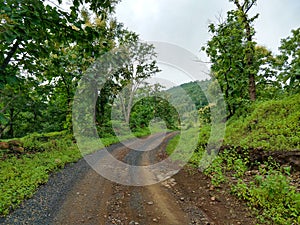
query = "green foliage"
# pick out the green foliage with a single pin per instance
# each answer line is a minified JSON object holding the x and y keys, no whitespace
{"x":149,"y":108}
{"x":216,"y":172}
{"x":289,"y":62}
{"x":172,"y":144}
{"x":21,"y":175}
{"x":195,"y":90}
{"x":269,"y":194}
{"x":231,"y":51}
{"x":272,"y":196}
{"x":272,"y":125}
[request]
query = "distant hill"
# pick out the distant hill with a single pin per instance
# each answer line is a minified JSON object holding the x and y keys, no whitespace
{"x":194,"y":90}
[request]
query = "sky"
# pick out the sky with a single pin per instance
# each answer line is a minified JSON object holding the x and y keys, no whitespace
{"x":185,"y":22}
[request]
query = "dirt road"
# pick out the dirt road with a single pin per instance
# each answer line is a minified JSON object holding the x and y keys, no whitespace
{"x":88,"y":198}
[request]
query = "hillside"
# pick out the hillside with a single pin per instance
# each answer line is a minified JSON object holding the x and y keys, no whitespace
{"x":270,"y":125}
{"x":195,"y":90}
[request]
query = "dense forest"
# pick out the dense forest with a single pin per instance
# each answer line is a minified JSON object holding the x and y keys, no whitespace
{"x":46,"y":49}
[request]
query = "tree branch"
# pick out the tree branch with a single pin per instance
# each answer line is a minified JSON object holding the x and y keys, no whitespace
{"x":10,"y":55}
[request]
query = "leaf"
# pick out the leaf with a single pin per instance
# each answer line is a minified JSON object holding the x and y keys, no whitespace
{"x":3,"y":119}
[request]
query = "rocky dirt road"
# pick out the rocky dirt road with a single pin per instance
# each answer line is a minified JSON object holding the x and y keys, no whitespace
{"x":79,"y":195}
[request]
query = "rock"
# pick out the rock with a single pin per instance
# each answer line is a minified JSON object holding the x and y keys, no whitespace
{"x":248,"y":173}
{"x":4,"y":145}
{"x":213,"y":198}
{"x":155,"y":220}
{"x":182,"y":199}
{"x":133,"y":223}
{"x":150,"y":203}
{"x":172,"y":180}
{"x":167,"y":186}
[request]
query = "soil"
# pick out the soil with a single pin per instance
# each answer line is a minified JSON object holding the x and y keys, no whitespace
{"x":79,"y":195}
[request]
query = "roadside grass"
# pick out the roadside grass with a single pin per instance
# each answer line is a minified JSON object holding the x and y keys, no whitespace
{"x":181,"y":147}
{"x":270,"y":125}
{"x":267,"y":190}
{"x":22,"y":174}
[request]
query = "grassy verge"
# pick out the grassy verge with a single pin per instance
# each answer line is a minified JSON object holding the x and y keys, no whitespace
{"x":21,"y":175}
{"x":270,"y":125}
{"x":267,"y":190}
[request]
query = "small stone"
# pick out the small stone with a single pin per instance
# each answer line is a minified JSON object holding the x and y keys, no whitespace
{"x":167,"y":186}
{"x":77,"y":193}
{"x":172,"y":180}
{"x":263,"y":166}
{"x":150,"y":203}
{"x":213,"y":198}
{"x":248,"y":173}
{"x":155,"y":220}
{"x":182,"y":199}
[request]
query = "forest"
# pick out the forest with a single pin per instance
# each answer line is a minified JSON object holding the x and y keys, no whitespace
{"x":46,"y":49}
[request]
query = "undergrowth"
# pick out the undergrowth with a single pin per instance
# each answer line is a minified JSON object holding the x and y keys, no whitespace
{"x":268,"y":192}
{"x":22,"y":174}
{"x":269,"y":125}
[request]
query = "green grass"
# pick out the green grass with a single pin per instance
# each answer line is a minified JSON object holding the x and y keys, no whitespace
{"x":271,"y":125}
{"x":268,"y":193}
{"x":21,"y":175}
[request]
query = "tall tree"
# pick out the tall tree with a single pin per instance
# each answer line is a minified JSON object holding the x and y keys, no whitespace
{"x":45,"y":44}
{"x":243,"y":8}
{"x":232,"y":53}
{"x":141,"y":67}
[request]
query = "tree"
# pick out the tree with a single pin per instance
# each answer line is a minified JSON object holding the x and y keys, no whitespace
{"x":243,"y":8}
{"x":141,"y":67}
{"x":267,"y":84}
{"x":40,"y":39}
{"x":232,"y":53}
{"x":31,"y":29}
{"x":289,"y":61}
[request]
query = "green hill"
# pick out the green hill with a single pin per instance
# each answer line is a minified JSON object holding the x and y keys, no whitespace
{"x":270,"y":125}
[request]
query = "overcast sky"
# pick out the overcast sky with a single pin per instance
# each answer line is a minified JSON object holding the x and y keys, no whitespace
{"x":184,"y":22}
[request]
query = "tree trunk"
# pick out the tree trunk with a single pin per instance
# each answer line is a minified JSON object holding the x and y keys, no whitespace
{"x":9,"y":55}
{"x":250,"y":47}
{"x":11,"y":124}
